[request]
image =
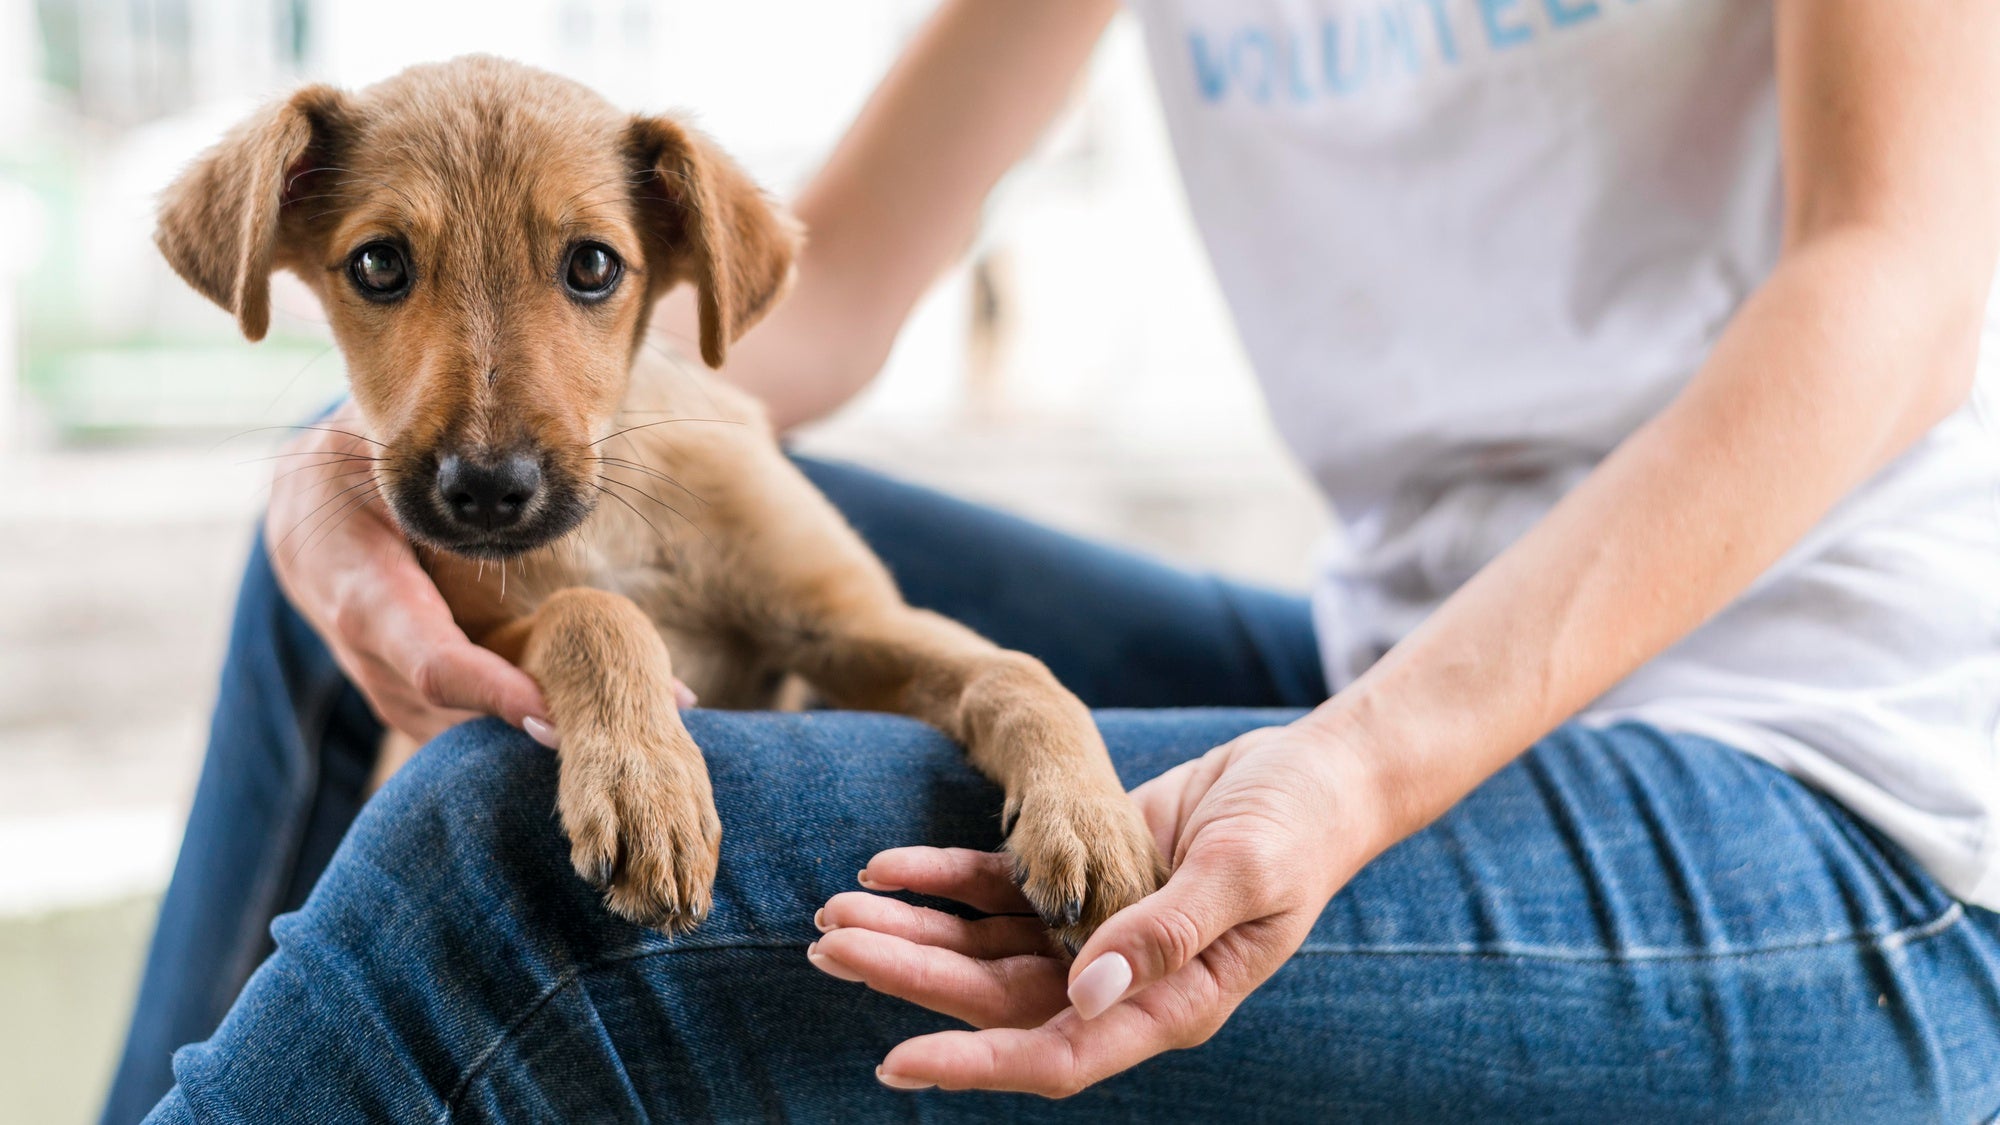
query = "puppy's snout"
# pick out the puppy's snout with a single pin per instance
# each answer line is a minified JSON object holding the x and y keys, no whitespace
{"x":485,"y":495}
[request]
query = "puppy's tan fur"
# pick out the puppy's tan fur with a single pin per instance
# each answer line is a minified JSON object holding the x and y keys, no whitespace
{"x":704,"y":553}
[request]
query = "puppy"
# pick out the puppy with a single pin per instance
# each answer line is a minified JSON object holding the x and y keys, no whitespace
{"x":488,"y":241}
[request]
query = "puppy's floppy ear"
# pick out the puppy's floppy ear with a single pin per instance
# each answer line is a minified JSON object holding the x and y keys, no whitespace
{"x":221,"y":223}
{"x":710,"y":224}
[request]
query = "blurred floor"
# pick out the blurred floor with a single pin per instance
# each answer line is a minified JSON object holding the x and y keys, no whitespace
{"x":68,"y":979}
{"x":114,"y":599}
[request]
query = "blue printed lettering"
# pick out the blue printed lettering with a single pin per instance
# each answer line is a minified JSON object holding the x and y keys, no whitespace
{"x":1339,"y":81}
{"x":1503,"y":35}
{"x":1441,"y":23}
{"x":1397,"y":41}
{"x":1340,"y":56}
{"x":1565,"y":13}
{"x":1257,"y":40}
{"x":1210,"y":73}
{"x":1297,"y":83}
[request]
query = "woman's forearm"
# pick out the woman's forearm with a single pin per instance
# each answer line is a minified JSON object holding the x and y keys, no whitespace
{"x":1850,"y":352}
{"x":901,"y":194}
{"x":1863,"y":338}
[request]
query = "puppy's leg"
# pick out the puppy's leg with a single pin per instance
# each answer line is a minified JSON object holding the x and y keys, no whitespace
{"x":634,"y":793}
{"x":1080,"y":846}
{"x":797,"y":579}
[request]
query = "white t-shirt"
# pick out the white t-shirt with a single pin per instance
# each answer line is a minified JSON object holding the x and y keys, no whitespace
{"x":1470,"y":246}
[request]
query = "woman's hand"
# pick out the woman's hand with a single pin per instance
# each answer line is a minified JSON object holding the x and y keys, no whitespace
{"x":1262,"y":831}
{"x":350,"y":572}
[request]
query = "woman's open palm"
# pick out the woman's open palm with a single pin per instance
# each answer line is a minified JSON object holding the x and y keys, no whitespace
{"x":1255,"y":837}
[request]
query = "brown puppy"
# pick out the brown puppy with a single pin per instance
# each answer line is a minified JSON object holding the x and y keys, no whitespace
{"x":488,"y":241}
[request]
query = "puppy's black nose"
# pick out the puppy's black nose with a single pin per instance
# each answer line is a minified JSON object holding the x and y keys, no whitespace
{"x":488,"y":496}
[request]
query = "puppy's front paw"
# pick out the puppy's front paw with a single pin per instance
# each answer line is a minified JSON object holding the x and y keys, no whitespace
{"x":642,"y":828}
{"x":1081,"y":857}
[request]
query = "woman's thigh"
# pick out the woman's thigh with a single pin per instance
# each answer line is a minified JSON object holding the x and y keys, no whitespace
{"x":1622,"y":926}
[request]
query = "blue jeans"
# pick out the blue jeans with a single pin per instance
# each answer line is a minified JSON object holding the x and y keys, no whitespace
{"x":1623,"y":925}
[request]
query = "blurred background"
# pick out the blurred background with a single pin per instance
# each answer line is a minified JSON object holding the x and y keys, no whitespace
{"x":1078,"y":366}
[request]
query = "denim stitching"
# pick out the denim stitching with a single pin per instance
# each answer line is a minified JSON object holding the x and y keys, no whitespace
{"x":478,"y":1066}
{"x":566,"y":980}
{"x":1884,"y":942}
{"x":1892,"y":940}
{"x":254,"y":943}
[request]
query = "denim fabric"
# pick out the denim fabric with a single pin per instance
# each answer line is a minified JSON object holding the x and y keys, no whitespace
{"x":1621,"y":926}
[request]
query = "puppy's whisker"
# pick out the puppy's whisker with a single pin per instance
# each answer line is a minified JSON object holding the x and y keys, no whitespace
{"x":338,"y":518}
{"x":665,"y":545}
{"x":311,"y":453}
{"x":357,"y":494}
{"x":328,"y":478}
{"x":321,"y":429}
{"x":335,"y":501}
{"x":333,"y":462}
{"x":663,"y":422}
{"x":634,"y":466}
{"x":680,"y":365}
{"x":699,"y":530}
{"x":322,"y":507}
{"x":294,"y":380}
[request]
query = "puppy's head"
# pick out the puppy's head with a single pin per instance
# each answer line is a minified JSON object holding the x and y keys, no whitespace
{"x":487,"y":240}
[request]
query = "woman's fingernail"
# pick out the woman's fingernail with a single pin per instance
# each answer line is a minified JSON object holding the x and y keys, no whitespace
{"x":542,"y":731}
{"x":1100,"y":984}
{"x":863,"y":879}
{"x":829,"y":966}
{"x":819,"y":920}
{"x":895,"y":1083}
{"x":684,"y":695}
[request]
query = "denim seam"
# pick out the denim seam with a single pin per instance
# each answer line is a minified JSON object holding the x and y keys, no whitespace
{"x":566,"y":980}
{"x":1895,"y":939}
{"x":1883,"y":942}
{"x":1251,"y":640}
{"x":273,"y":878}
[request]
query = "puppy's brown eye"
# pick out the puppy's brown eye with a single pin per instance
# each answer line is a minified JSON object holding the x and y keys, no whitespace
{"x":379,"y":271}
{"x":592,"y":272}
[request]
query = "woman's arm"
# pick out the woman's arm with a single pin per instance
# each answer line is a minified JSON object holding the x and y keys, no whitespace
{"x":901,"y":194}
{"x":1862,"y":339}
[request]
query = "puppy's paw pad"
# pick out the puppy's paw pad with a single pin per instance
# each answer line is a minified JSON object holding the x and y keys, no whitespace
{"x":1081,"y":859}
{"x":645,"y":834}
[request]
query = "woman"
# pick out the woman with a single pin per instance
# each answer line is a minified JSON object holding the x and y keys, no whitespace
{"x":1635,"y":342}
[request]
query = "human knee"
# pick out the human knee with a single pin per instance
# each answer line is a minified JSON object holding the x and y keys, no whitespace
{"x":460,"y":793}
